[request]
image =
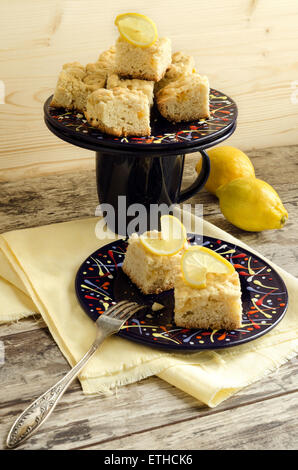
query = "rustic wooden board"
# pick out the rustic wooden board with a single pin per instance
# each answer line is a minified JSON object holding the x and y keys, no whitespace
{"x":253,"y":427}
{"x":34,"y":362}
{"x":248,"y":49}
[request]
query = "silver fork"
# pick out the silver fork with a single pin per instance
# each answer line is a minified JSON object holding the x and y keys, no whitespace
{"x":35,"y":414}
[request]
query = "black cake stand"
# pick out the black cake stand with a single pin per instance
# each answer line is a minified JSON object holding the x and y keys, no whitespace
{"x":147,"y":170}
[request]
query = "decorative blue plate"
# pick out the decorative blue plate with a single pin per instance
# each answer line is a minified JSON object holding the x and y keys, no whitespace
{"x":100,"y":282}
{"x":164,"y":134}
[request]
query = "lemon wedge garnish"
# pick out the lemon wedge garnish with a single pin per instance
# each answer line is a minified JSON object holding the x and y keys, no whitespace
{"x":169,"y":241}
{"x":197,"y":261}
{"x":137,"y":29}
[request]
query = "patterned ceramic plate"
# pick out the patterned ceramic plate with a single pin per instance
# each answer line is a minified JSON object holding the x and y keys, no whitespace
{"x":100,"y":282}
{"x":164,"y":135}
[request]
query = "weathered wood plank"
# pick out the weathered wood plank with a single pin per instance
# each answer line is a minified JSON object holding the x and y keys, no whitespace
{"x":34,"y":194}
{"x":268,"y":425}
{"x":34,"y":363}
{"x":34,"y":322}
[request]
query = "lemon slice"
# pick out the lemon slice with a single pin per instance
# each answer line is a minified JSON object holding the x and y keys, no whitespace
{"x":194,"y":273}
{"x":169,"y":241}
{"x":137,"y":29}
{"x":197,"y":261}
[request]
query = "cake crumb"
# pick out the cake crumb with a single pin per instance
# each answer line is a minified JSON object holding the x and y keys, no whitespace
{"x":156,"y":307}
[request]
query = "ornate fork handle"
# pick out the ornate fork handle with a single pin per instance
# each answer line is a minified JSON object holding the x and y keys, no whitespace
{"x":36,"y":413}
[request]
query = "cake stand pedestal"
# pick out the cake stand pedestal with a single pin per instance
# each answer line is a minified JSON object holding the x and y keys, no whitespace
{"x":146,"y":170}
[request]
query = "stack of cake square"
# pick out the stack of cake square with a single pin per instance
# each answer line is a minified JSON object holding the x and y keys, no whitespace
{"x":117,"y":92}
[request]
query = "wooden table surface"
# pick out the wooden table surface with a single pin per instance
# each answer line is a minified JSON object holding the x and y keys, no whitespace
{"x":150,"y":414}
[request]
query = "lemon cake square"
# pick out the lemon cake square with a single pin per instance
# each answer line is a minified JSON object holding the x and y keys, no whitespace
{"x":75,"y":84}
{"x":76,"y":81}
{"x":185,"y":99}
{"x":150,"y":272}
{"x":98,"y":71}
{"x":76,"y":69}
{"x":70,"y":90}
{"x":95,"y":77}
{"x":119,"y":112}
{"x":146,"y":86}
{"x":182,"y":64}
{"x":146,"y":63}
{"x":106,"y":59}
{"x":216,"y":306}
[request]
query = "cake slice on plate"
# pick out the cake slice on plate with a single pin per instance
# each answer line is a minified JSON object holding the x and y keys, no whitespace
{"x":106,"y":59}
{"x":207,"y":291}
{"x":153,"y":259}
{"x":119,"y":112}
{"x":150,"y":272}
{"x":99,"y":71}
{"x":76,"y":82}
{"x":216,"y":306}
{"x":70,"y":91}
{"x":182,"y":64}
{"x":184,"y":99}
{"x":146,"y":86}
{"x":145,"y":63}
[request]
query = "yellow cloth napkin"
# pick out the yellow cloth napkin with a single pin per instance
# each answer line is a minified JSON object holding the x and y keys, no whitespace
{"x":37,"y":273}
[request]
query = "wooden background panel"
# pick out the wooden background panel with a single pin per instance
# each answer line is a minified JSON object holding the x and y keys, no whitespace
{"x":247,"y":48}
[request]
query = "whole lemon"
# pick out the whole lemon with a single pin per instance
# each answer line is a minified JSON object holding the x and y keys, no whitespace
{"x":226,"y":164}
{"x":251,"y":204}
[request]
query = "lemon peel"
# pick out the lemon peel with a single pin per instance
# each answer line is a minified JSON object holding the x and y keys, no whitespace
{"x":226,"y":164}
{"x":252,"y":205}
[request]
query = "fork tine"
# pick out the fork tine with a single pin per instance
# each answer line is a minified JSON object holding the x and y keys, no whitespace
{"x":131,"y":312}
{"x":128,"y":311}
{"x":123,"y":310}
{"x":112,"y":310}
{"x":122,"y":307}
